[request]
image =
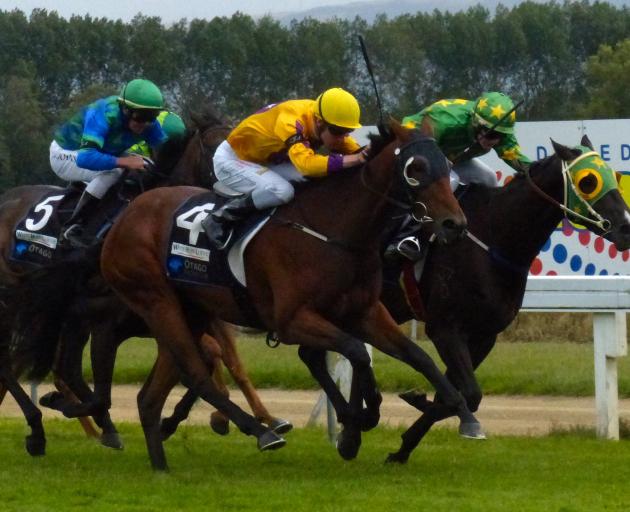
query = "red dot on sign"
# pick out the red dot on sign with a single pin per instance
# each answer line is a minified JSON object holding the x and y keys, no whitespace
{"x":612,"y":251}
{"x":536,"y":267}
{"x":499,"y":174}
{"x":552,"y":273}
{"x":599,"y":244}
{"x":585,"y":237}
{"x":625,"y":255}
{"x":567,"y":228}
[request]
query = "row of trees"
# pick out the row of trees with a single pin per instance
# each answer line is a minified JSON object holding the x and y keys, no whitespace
{"x":564,"y":60}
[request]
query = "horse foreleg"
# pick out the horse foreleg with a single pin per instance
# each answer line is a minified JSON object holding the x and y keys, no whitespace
{"x":234,"y":365}
{"x":36,"y":441}
{"x":315,"y":335}
{"x":382,"y":332}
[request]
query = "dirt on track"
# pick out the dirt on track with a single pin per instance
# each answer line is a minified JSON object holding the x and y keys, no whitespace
{"x":499,"y":415}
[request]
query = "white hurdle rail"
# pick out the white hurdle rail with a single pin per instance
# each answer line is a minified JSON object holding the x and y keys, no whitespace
{"x":606,"y":297}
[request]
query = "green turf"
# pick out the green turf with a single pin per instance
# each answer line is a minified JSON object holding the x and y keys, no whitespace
{"x":555,"y":368}
{"x":564,"y":473}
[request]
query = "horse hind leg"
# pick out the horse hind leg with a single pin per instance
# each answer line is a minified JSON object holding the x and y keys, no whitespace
{"x":234,"y":365}
{"x":166,"y":320}
{"x":151,"y":398}
{"x":35,"y":442}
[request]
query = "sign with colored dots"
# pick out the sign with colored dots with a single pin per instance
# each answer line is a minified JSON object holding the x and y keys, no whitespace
{"x":572,"y":249}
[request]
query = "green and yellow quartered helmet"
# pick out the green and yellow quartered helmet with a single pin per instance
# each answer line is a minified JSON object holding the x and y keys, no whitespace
{"x":338,"y":107}
{"x":492,"y":107}
{"x":141,"y":94}
{"x":172,"y":124}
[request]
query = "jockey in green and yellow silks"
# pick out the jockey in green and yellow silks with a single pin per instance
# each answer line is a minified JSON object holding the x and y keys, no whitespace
{"x":172,"y":125}
{"x":464,"y":130}
{"x":480,"y":125}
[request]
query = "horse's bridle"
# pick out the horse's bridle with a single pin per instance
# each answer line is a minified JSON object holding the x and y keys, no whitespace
{"x":598,"y":221}
{"x":403,"y":158}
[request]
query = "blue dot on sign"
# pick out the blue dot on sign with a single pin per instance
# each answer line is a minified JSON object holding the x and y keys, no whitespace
{"x":575,"y":263}
{"x":589,"y":270}
{"x":603,"y":272}
{"x":547,"y":245}
{"x":560,"y":253}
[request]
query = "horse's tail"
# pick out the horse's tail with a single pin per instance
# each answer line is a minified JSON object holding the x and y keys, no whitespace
{"x":32,"y":315}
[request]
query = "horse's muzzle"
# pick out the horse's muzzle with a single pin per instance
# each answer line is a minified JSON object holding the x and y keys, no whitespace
{"x":451,"y":230}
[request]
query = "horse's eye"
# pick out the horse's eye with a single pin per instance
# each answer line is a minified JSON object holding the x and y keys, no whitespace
{"x":589,"y":184}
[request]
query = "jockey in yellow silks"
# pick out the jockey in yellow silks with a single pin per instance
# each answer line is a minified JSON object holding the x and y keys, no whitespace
{"x":277,"y":145}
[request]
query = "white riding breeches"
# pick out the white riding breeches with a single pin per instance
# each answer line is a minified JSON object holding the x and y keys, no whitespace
{"x":475,"y":171}
{"x":268,"y":185}
{"x":64,"y":164}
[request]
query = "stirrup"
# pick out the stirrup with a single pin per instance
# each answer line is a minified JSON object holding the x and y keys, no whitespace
{"x":409,"y":247}
{"x":223,"y":245}
{"x":73,"y":237}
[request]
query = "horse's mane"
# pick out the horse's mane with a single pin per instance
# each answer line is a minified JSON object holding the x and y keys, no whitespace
{"x":172,"y":150}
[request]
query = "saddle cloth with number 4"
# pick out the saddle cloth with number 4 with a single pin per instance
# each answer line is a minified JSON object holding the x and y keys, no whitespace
{"x":192,"y":259}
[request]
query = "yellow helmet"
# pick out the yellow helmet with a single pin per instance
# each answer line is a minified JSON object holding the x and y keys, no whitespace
{"x":338,"y":108}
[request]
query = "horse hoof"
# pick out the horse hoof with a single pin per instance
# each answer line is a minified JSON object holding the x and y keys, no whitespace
{"x":348,"y":444}
{"x":112,"y":440}
{"x":167,"y":428}
{"x":416,"y":399}
{"x":280,"y":426}
{"x":471,"y":431}
{"x":35,"y":445}
{"x":52,"y":400}
{"x":270,"y":441}
{"x":396,"y":458}
{"x":220,"y":424}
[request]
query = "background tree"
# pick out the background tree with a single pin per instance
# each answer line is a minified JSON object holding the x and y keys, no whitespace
{"x":607,"y":79}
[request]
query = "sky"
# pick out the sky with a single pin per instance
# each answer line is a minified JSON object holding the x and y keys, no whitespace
{"x":168,"y":10}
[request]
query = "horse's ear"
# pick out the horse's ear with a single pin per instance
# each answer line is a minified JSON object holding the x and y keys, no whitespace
{"x":587,"y":142}
{"x":564,"y":152}
{"x":398,"y":130}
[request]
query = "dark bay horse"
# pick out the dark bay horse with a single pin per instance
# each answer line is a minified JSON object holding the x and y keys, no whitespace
{"x":472,"y":290}
{"x":48,"y":314}
{"x":320,"y":292}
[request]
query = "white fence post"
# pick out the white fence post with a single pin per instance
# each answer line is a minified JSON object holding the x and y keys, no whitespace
{"x":609,"y":334}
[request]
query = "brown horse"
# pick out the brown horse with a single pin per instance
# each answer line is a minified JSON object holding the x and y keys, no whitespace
{"x":320,"y":292}
{"x":471,"y":290}
{"x":34,"y":328}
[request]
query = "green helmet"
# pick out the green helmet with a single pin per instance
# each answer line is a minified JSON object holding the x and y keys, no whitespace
{"x":172,"y":124}
{"x":491,"y":108}
{"x":141,"y":94}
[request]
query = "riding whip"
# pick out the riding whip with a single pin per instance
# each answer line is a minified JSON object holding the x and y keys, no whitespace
{"x":381,"y":124}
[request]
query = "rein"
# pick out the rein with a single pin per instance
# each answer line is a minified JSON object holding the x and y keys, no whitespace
{"x":405,"y":206}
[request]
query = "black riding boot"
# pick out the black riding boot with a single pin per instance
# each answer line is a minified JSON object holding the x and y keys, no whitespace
{"x":218,"y":225}
{"x":405,"y":244}
{"x":72,"y":232}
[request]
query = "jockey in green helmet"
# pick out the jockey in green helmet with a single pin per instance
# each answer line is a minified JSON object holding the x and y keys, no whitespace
{"x":92,"y":146}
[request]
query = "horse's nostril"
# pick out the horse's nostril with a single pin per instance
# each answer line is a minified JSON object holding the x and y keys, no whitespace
{"x":451,"y":225}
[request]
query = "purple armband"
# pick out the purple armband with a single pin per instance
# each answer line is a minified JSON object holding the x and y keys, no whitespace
{"x":335,"y":163}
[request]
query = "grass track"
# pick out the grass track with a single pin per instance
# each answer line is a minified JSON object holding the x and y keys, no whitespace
{"x":564,"y":473}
